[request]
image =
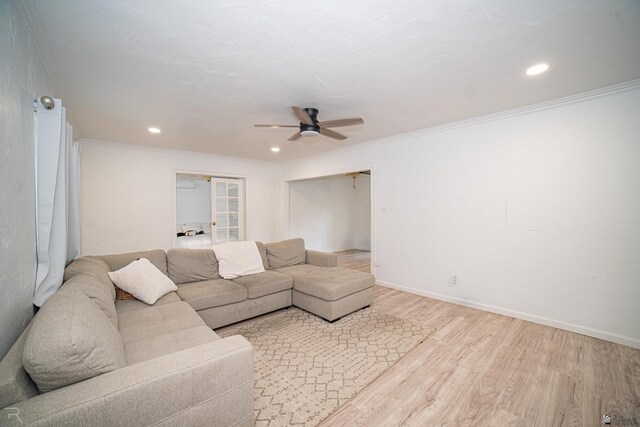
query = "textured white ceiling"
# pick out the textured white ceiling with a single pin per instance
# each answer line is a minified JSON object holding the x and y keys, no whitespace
{"x":205,"y":71}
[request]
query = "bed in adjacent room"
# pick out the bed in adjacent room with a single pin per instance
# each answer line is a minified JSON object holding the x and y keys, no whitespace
{"x":194,"y":236}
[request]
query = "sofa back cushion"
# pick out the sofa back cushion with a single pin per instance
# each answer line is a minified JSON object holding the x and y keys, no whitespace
{"x":191,"y":265}
{"x":71,"y":340}
{"x":100,"y":291}
{"x":92,"y":266}
{"x":87,"y":265}
{"x":263,"y":255}
{"x":286,"y":253}
{"x":157,"y":257}
{"x":15,"y":383}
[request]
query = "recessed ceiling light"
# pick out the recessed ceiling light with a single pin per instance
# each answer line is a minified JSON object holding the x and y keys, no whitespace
{"x":154,"y":130}
{"x":275,"y":149}
{"x":537,"y":69}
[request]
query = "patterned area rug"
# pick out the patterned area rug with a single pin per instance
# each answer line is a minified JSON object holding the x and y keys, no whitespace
{"x":305,"y":367}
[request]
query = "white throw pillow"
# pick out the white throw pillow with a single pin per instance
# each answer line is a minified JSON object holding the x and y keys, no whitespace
{"x":143,"y":280}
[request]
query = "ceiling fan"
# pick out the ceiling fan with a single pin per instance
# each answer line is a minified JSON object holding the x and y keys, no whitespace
{"x":310,"y":126}
{"x":357,"y":174}
{"x":354,"y":175}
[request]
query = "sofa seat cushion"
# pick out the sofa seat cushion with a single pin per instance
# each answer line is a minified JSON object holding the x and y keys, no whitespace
{"x":15,"y":383}
{"x":150,"y":347}
{"x":123,"y":306}
{"x":261,"y":284}
{"x":157,"y":320}
{"x":328,"y":283}
{"x":299,"y":272}
{"x":71,"y":340}
{"x":211,"y":293}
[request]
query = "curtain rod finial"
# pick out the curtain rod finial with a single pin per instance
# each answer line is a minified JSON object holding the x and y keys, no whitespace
{"x":48,"y":103}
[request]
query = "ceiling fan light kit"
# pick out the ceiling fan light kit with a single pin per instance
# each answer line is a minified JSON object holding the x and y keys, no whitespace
{"x":310,"y":126}
{"x":309,"y":132}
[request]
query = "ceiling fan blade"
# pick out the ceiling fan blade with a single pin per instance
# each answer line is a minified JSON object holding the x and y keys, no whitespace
{"x":277,"y":126}
{"x":332,"y":134}
{"x":341,"y":122}
{"x":302,"y":116}
{"x":295,"y":136}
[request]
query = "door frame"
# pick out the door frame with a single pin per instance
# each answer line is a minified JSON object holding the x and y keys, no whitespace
{"x":245,"y":191}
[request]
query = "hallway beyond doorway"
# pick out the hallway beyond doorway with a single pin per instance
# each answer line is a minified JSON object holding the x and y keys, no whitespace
{"x":355,"y":259}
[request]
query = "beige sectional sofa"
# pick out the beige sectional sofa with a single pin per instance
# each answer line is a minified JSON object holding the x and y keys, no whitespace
{"x":88,"y":359}
{"x":218,"y":301}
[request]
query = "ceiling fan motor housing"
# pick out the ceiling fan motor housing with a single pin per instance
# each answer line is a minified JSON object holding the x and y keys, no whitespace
{"x":310,"y":130}
{"x":313,"y":113}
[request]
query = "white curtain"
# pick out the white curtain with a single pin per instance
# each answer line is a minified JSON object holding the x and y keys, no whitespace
{"x":73,"y":197}
{"x":57,"y":214}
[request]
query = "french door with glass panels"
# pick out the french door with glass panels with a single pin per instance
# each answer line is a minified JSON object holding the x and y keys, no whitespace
{"x":227,"y":207}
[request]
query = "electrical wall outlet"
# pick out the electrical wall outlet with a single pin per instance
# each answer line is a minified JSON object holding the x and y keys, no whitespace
{"x":453,"y":280}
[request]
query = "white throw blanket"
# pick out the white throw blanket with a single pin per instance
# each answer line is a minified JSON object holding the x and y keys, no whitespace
{"x":237,"y":259}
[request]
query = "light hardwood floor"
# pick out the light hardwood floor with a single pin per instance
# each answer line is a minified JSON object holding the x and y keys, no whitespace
{"x":483,"y":369}
{"x":355,"y":260}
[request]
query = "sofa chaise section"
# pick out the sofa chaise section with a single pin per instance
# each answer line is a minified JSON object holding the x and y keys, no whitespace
{"x":319,"y":285}
{"x":330,"y":293}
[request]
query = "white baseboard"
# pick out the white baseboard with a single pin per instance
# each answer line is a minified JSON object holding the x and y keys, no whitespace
{"x":596,"y":333}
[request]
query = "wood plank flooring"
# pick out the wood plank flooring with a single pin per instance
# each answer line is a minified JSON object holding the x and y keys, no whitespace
{"x":355,"y":259}
{"x":484,"y":369}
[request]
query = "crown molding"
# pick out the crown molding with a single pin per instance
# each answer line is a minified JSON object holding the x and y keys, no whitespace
{"x":514,"y":112}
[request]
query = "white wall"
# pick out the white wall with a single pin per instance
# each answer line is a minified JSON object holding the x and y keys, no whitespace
{"x":128,"y":194}
{"x":538,"y":213}
{"x":22,"y":79}
{"x":361,"y":234}
{"x":193,"y":205}
{"x":330,"y":214}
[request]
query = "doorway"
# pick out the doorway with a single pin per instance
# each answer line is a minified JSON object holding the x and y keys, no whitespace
{"x":333,"y":214}
{"x":209,"y":210}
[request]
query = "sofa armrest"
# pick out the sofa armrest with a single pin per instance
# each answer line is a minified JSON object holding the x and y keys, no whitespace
{"x":322,"y":259}
{"x":211,"y":384}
